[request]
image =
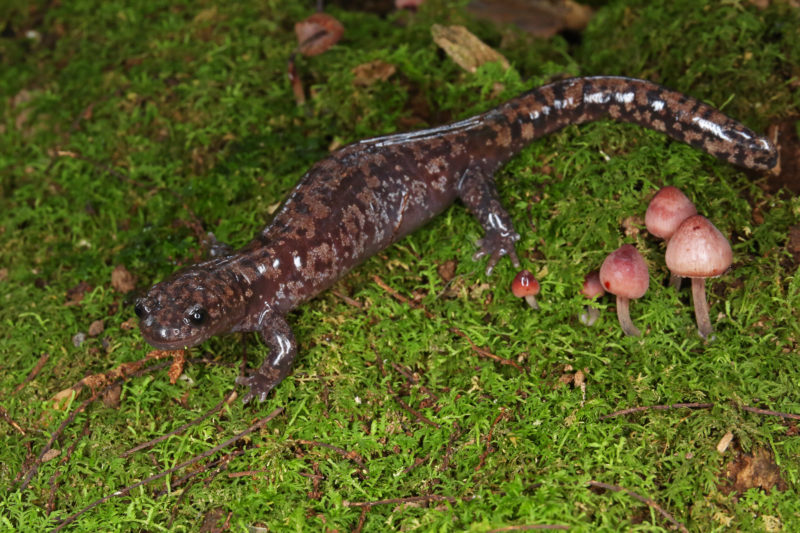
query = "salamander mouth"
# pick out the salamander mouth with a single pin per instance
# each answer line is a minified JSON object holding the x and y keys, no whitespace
{"x":159,"y":338}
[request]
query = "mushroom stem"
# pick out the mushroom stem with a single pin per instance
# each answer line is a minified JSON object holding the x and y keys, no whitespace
{"x":589,"y":316}
{"x":701,"y":307}
{"x":624,"y":316}
{"x":532,"y":301}
{"x":675,"y":281}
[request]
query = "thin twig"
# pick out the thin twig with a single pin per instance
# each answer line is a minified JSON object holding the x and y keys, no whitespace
{"x":219,"y":463}
{"x":529,"y":527}
{"x":413,"y":379}
{"x":258,"y":425}
{"x":418,"y":461}
{"x":50,"y":507}
{"x":246,"y":473}
{"x":399,"y":297}
{"x":756,"y":410}
{"x":480,"y":351}
{"x":10,"y":421}
{"x":416,"y":414}
{"x":349,"y":301}
{"x":484,"y":352}
{"x":74,"y":413}
{"x":174,"y":513}
{"x":448,"y":451}
{"x":409,"y":499}
{"x":361,"y":519}
{"x":488,"y":440}
{"x":658,"y":408}
{"x":33,"y":373}
{"x":643,"y":499}
{"x":181,"y":429}
{"x":760,"y":411}
{"x":352,"y":456}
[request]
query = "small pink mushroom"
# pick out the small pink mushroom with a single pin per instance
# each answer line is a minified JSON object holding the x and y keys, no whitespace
{"x":668,"y":208}
{"x":526,"y":286}
{"x":315,"y":35}
{"x":592,"y":289}
{"x":698,"y":250}
{"x":624,"y":273}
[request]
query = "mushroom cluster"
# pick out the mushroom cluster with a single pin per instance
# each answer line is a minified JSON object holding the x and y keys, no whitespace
{"x":695,"y":249}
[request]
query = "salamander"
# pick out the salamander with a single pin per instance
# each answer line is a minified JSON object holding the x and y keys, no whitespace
{"x":368,"y":195}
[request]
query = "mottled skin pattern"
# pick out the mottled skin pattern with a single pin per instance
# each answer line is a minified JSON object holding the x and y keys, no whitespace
{"x":370,"y":194}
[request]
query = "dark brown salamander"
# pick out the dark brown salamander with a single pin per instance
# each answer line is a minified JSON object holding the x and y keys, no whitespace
{"x":370,"y":194}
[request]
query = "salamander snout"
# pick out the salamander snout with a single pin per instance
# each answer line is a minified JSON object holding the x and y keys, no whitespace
{"x":186,"y":310}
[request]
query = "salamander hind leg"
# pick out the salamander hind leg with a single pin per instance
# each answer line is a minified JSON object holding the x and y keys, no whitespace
{"x":479,"y":194}
{"x":279,"y":338}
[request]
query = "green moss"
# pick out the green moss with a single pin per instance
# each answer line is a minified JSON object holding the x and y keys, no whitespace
{"x":132,"y":128}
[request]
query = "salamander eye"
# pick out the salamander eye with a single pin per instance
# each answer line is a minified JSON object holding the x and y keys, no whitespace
{"x":139,"y":309}
{"x":197,"y":316}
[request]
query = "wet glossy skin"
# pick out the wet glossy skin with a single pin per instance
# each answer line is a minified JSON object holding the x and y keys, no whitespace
{"x":372,"y":193}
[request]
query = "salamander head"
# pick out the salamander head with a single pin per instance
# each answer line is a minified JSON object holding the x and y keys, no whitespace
{"x":189,"y":308}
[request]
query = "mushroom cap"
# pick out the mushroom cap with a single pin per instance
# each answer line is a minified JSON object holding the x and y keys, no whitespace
{"x":592,"y":288}
{"x":624,"y":273}
{"x":317,"y":33}
{"x":668,"y":208}
{"x":524,"y":284}
{"x":697,"y":249}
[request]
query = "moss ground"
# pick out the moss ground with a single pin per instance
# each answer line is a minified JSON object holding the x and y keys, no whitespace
{"x":129,"y":129}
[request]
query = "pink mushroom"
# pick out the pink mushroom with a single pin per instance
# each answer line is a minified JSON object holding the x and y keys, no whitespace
{"x":592,"y":289}
{"x":668,"y":208}
{"x":624,"y":273}
{"x":698,"y":250}
{"x":526,"y":286}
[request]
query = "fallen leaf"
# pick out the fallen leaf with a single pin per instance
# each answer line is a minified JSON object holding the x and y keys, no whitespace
{"x":724,"y":442}
{"x":464,"y":48}
{"x":447,"y":270}
{"x":368,"y":73}
{"x":631,"y":225}
{"x":756,"y":470}
{"x":96,"y":328}
{"x":121,"y":280}
{"x":50,"y":454}
{"x":541,"y":18}
{"x":176,"y":369}
{"x":76,"y":293}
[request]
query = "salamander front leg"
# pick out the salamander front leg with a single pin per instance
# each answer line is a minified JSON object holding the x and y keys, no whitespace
{"x":279,"y":338}
{"x":479,"y":194}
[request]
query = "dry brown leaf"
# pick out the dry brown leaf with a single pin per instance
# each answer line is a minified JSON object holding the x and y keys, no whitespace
{"x":96,"y":328}
{"x":464,"y":48}
{"x":50,"y":454}
{"x":724,"y":442}
{"x":631,"y":225}
{"x":541,"y":18}
{"x":447,"y":270}
{"x":368,"y":73}
{"x":122,"y":280}
{"x":176,"y":369}
{"x":756,"y":470}
{"x":76,"y":293}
